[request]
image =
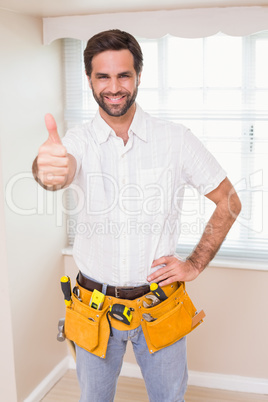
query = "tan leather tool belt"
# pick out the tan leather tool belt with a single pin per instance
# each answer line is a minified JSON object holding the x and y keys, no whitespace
{"x":170,"y":320}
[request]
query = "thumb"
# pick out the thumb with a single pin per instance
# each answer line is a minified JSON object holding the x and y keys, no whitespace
{"x":51,"y":126}
{"x":156,"y":262}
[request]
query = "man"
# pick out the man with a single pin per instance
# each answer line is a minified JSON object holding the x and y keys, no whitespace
{"x":133,"y":169}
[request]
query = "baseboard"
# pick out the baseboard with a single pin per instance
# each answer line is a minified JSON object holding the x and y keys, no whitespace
{"x":130,"y":370}
{"x":199,"y":379}
{"x":211,"y":380}
{"x":229,"y":382}
{"x":49,"y":381}
{"x":72,"y":364}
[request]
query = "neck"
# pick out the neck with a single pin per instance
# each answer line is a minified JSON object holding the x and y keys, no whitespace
{"x":120,"y":124}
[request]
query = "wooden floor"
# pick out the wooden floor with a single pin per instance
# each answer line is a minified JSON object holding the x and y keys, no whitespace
{"x":67,"y":390}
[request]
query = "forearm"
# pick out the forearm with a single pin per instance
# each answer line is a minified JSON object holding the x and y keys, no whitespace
{"x":215,"y":232}
{"x":227,"y":209}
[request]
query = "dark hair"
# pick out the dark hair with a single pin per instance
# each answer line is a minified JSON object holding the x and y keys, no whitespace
{"x":113,"y":39}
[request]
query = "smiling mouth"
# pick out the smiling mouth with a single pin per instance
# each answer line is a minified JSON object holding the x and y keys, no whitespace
{"x":115,"y":99}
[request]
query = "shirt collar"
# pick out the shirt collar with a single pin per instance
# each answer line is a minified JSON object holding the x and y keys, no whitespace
{"x":101,"y":128}
{"x":138,"y":126}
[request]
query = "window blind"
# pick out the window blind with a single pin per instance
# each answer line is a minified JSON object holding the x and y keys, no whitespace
{"x":218,"y":87}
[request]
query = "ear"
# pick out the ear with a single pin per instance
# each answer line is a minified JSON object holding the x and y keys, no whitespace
{"x":139,"y":79}
{"x":89,"y":81}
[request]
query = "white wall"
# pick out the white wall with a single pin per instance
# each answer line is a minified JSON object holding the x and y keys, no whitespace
{"x":30,"y":82}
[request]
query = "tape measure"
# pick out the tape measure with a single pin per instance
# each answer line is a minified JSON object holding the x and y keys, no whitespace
{"x":121,"y":313}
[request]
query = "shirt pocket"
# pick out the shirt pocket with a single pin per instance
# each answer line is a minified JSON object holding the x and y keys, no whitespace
{"x":151,"y":177}
{"x":152,"y":184}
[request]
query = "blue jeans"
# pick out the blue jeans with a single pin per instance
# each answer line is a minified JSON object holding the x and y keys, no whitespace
{"x":165,"y":372}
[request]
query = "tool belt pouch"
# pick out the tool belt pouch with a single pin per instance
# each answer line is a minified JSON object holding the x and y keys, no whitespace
{"x":174,"y":318}
{"x":87,"y":327}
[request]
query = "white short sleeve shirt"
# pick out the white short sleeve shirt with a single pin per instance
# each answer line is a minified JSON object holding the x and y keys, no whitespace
{"x":131,"y":196}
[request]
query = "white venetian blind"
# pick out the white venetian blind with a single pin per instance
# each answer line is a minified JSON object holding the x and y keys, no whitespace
{"x":218,"y":87}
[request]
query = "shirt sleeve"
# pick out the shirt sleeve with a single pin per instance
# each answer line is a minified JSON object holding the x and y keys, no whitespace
{"x":200,"y":168}
{"x":75,"y":141}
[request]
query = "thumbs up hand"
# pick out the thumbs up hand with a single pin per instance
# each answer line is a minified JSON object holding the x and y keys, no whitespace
{"x":51,"y":126}
{"x":53,"y":164}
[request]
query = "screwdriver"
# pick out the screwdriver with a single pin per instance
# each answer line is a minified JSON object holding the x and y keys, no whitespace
{"x":66,"y":288}
{"x":157,"y":291}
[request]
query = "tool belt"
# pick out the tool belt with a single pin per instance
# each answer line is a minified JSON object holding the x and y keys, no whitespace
{"x":173,"y":318}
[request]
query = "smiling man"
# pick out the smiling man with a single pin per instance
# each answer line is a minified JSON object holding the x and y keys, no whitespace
{"x":122,"y":160}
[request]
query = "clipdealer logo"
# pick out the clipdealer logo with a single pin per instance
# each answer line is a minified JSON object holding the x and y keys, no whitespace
{"x":251,"y":192}
{"x":133,"y":227}
{"x":101,"y":196}
{"x":25,"y":197}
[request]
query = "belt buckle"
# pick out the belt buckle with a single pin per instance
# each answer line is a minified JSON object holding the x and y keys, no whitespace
{"x":118,"y":288}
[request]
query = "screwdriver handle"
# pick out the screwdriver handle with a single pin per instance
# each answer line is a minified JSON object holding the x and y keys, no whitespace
{"x":66,"y":289}
{"x":157,"y":291}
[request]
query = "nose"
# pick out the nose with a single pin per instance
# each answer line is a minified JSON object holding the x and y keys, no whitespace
{"x":114,"y":86}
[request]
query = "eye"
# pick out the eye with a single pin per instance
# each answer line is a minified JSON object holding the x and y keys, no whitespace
{"x":102,"y":77}
{"x":124,"y":76}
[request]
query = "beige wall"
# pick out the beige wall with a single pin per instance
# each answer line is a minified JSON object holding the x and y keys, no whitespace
{"x":30,"y":82}
{"x":233,"y":338}
{"x":7,"y":370}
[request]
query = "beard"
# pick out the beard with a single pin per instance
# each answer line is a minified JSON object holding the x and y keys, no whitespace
{"x":115,"y":110}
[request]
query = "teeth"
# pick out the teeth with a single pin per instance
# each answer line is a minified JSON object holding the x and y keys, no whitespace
{"x":115,"y":99}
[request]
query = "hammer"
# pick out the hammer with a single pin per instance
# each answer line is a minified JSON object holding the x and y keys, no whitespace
{"x":61,"y":337}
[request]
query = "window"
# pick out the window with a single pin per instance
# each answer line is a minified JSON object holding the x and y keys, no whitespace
{"x":218,"y":87}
